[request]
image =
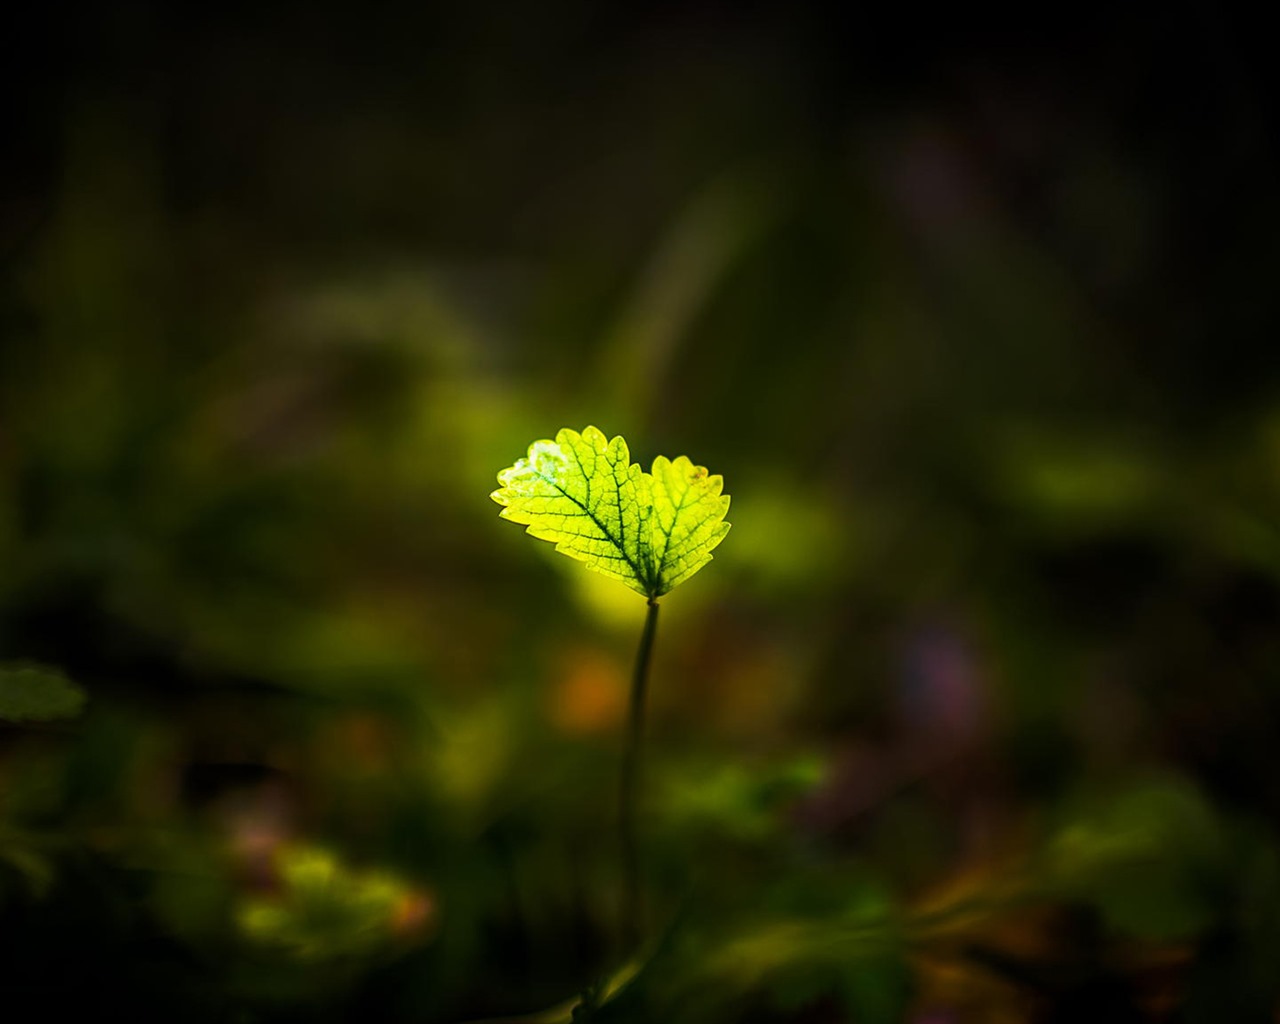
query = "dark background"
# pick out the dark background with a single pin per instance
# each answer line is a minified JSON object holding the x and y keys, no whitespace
{"x":973,"y":717}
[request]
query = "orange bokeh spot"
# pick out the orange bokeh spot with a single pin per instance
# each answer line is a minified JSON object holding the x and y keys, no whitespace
{"x":589,"y":695}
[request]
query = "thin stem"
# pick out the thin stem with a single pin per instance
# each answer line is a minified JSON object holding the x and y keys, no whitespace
{"x":631,"y":908}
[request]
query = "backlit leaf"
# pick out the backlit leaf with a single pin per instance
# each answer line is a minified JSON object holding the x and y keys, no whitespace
{"x":583,"y":493}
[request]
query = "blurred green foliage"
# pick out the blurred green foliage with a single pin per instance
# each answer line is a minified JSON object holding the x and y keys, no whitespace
{"x":325,"y":911}
{"x":983,"y":322}
{"x":30,"y":693}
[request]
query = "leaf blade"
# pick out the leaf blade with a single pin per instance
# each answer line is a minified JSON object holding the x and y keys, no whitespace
{"x":578,"y":492}
{"x":582,"y":493}
{"x":689,"y":511}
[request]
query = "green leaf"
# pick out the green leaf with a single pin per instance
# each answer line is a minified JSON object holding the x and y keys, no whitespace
{"x":582,"y":493}
{"x":30,"y":693}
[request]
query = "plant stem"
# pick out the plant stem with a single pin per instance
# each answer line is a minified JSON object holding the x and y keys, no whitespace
{"x":631,"y":908}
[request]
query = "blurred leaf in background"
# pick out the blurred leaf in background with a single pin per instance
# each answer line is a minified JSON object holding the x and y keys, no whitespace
{"x":31,"y":693}
{"x":325,"y":911}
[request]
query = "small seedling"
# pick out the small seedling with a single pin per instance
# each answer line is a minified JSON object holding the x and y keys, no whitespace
{"x":650,"y":530}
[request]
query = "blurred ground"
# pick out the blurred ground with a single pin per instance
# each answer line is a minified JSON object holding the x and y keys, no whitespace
{"x":973,"y":717}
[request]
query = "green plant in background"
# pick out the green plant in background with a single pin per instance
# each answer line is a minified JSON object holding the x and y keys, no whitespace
{"x":650,"y":530}
{"x":31,"y":696}
{"x":326,"y":911}
{"x":35,"y":693}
